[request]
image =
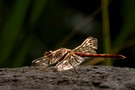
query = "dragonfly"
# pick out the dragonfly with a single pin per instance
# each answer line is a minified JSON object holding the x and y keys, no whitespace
{"x":65,"y":59}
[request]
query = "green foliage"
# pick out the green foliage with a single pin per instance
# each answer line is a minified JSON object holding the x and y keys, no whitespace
{"x":106,"y":30}
{"x":29,"y":27}
{"x":128,"y":23}
{"x":12,"y":28}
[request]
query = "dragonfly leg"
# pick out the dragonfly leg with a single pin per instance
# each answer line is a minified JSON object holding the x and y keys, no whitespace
{"x":74,"y":69}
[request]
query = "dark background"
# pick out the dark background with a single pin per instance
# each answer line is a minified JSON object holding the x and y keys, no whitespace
{"x":28,"y":28}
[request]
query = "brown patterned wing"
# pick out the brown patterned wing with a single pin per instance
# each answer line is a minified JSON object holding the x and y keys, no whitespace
{"x":69,"y":62}
{"x":50,"y":58}
{"x":43,"y":61}
{"x":88,"y":46}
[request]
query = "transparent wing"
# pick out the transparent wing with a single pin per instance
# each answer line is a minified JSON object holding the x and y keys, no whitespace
{"x":88,"y":46}
{"x":70,"y":62}
{"x":50,"y":58}
{"x":43,"y":61}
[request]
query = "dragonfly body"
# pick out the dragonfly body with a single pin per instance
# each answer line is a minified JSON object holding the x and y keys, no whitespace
{"x":65,"y":59}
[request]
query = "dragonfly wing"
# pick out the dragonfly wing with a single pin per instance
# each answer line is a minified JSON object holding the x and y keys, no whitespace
{"x":88,"y":46}
{"x":43,"y":61}
{"x":70,"y":62}
{"x":50,"y":58}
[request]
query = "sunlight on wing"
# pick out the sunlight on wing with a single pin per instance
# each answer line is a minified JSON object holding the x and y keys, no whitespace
{"x":70,"y":62}
{"x":88,"y":46}
{"x":50,"y":58}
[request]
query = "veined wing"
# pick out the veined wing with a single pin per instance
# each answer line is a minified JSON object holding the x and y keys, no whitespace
{"x":88,"y":46}
{"x":70,"y":61}
{"x":42,"y":61}
{"x":50,"y":58}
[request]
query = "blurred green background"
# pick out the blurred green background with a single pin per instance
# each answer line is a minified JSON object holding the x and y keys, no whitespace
{"x":28,"y":28}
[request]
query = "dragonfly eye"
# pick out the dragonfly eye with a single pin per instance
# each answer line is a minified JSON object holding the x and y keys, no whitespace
{"x":47,"y":53}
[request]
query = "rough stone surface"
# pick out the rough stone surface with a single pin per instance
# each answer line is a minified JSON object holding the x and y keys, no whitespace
{"x":87,"y":78}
